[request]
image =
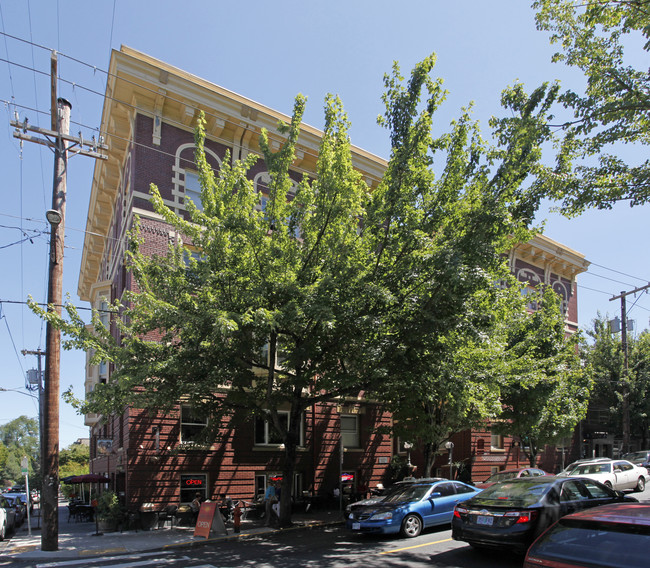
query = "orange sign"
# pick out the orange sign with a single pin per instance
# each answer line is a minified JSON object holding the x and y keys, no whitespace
{"x":204,"y":521}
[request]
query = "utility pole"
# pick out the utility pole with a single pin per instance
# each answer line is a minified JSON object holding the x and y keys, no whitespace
{"x":58,"y":139}
{"x":625,"y":385}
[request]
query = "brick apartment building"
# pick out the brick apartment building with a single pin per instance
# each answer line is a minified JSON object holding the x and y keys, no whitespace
{"x":148,"y":117}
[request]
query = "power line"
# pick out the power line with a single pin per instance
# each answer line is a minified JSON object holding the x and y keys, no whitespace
{"x":145,"y":88}
{"x":11,"y":337}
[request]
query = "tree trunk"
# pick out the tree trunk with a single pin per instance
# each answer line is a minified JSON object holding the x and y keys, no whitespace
{"x":291,"y":442}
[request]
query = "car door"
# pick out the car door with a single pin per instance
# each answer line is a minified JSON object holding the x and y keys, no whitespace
{"x":599,"y":495}
{"x":573,"y":497}
{"x":444,"y":499}
{"x":623,"y":475}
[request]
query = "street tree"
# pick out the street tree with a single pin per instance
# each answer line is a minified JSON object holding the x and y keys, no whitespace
{"x":441,"y":360}
{"x":604,"y":39}
{"x":18,"y":438}
{"x":330,"y":290}
{"x":545,"y":390}
{"x":604,"y":354}
{"x":74,"y":460}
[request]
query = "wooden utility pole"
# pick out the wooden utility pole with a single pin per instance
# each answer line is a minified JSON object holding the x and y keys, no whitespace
{"x":61,"y":142}
{"x":625,"y":385}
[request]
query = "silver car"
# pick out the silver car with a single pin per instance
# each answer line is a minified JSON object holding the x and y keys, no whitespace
{"x":7,"y":518}
{"x":616,"y":474}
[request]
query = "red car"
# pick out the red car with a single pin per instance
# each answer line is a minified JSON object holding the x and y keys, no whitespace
{"x":610,"y":536}
{"x":511,"y":474}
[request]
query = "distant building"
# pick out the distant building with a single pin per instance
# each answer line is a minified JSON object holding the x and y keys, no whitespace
{"x":149,"y":112}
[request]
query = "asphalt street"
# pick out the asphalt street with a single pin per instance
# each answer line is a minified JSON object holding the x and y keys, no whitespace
{"x":326,"y":546}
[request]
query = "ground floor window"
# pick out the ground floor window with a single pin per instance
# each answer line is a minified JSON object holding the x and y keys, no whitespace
{"x":191,"y":484}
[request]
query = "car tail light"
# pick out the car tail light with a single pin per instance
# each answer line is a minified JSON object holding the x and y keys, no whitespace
{"x":458,"y":511}
{"x":522,"y":516}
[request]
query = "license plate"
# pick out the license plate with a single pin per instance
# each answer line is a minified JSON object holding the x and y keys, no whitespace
{"x":356,"y":526}
{"x":483,"y":520}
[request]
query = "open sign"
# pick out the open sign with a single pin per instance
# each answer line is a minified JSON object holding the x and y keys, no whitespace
{"x":192,"y":481}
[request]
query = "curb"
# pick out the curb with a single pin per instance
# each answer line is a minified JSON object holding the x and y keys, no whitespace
{"x":32,"y":551}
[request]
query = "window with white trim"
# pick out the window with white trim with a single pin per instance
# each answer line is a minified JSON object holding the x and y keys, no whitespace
{"x":496,"y":441}
{"x":350,"y":430}
{"x":193,"y":188}
{"x":192,"y":425}
{"x":266,"y":434}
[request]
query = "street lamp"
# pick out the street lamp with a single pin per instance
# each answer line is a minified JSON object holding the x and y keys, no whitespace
{"x":53,"y":217}
{"x":2,"y":389}
{"x":450,"y":448}
{"x":407,"y":447}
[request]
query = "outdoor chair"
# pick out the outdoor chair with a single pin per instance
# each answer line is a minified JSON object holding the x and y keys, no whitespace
{"x":169,"y":514}
{"x":72,"y":512}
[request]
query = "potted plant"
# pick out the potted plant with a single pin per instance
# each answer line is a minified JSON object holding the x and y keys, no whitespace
{"x":109,"y":511}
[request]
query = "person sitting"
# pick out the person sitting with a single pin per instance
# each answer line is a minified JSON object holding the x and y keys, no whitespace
{"x":225,"y":506}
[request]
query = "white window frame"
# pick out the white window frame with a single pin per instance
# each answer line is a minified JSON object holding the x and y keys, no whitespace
{"x":192,"y":188}
{"x":350,"y":435}
{"x":496,"y":442}
{"x":182,"y":423}
{"x":268,"y":430}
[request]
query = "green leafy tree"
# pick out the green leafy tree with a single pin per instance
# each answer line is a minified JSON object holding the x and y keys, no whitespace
{"x":330,"y":291}
{"x":605,"y":357}
{"x":545,"y":389}
{"x":444,"y":243}
{"x":614,"y":109}
{"x":19,"y":438}
{"x":74,"y":460}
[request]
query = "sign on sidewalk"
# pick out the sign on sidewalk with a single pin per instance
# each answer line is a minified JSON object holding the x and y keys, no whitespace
{"x":209,"y":520}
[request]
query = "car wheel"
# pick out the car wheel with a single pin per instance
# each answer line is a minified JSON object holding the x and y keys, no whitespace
{"x":609,"y":484}
{"x":640,"y":485}
{"x":411,"y":526}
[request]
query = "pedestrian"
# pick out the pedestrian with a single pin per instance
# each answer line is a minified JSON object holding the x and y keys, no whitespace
{"x":276,"y":505}
{"x":270,"y":498}
{"x":195,"y":505}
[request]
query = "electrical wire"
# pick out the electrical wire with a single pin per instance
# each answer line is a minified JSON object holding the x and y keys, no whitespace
{"x":11,"y":337}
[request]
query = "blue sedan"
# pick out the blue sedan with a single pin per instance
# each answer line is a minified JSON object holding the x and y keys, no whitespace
{"x":417,"y":506}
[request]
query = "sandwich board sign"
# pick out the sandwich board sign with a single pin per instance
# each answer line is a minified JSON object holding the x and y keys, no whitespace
{"x":209,"y":520}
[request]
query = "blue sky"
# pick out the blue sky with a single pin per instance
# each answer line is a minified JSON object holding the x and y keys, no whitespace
{"x":269,"y":52}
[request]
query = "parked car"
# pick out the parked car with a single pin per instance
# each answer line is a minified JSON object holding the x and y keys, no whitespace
{"x":617,"y":474}
{"x":9,"y":520}
{"x":616,"y":536}
{"x":511,"y":474}
{"x":20,"y":507}
{"x":23,"y":497}
{"x":568,"y":469}
{"x":641,"y":458}
{"x":385,"y":492}
{"x":511,"y":514}
{"x":415,"y":507}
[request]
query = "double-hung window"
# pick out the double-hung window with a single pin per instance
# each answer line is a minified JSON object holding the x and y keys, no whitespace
{"x":267,"y":435}
{"x":350,"y":430}
{"x":193,"y":188}
{"x":192,"y":425}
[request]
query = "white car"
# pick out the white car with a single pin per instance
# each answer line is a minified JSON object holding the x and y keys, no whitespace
{"x":617,"y":474}
{"x":7,"y":518}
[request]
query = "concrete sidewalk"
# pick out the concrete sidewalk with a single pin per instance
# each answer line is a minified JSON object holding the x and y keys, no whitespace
{"x":79,"y":539}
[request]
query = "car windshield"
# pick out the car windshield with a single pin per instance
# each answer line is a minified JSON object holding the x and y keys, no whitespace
{"x":523,"y":492}
{"x":591,"y":542}
{"x":592,"y":468}
{"x":408,"y":494}
{"x":635,"y":456}
{"x":501,"y":476}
